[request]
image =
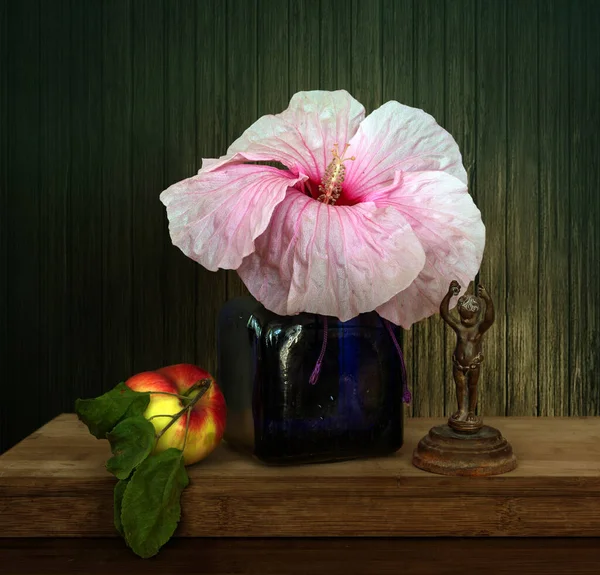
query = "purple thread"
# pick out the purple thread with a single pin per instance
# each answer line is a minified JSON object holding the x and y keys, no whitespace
{"x":315,"y":374}
{"x":406,"y":395}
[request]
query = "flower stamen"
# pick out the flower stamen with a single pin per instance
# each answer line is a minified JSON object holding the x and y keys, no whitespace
{"x":331,"y":187}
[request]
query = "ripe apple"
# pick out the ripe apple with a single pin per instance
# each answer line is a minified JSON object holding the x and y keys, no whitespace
{"x":208,"y":415}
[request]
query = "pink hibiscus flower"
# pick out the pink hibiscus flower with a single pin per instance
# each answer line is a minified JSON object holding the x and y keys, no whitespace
{"x":366,"y":213}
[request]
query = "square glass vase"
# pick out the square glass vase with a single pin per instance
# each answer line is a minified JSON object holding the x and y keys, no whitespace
{"x":265,"y":361}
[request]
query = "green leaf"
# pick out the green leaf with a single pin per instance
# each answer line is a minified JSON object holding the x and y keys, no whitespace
{"x":131,"y":441}
{"x":103,"y":413}
{"x":152,"y":502}
{"x":118,"y":499}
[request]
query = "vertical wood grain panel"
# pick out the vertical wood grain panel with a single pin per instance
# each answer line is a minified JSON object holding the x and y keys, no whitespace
{"x":367,"y":37}
{"x":429,"y":349}
{"x":398,"y":84}
{"x":593,"y":295}
{"x":554,"y":208}
{"x":23,"y":262}
{"x":577,"y":176}
{"x":584,"y":197}
{"x":522,"y":208}
{"x":55,"y":158}
{"x":272,"y":74}
{"x":303,"y":31}
{"x":490,"y":181}
{"x":592,"y":279}
{"x":335,"y":45}
{"x":211,"y":142}
{"x":85,"y":221}
{"x":272,"y":57}
{"x":397,"y":51}
{"x":366,"y":53}
{"x":149,"y":216}
{"x":3,"y":211}
{"x":181,"y":162}
{"x":242,"y":87}
{"x":116,"y":192}
{"x":106,"y":103}
{"x":460,"y":120}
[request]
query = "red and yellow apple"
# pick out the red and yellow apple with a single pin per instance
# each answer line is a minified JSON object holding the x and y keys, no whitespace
{"x":207,"y":417}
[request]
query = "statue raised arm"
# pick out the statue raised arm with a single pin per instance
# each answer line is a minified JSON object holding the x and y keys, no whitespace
{"x":453,"y":290}
{"x":489,"y":316}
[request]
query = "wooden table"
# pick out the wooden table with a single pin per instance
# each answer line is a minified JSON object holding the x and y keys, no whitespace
{"x":367,"y":516}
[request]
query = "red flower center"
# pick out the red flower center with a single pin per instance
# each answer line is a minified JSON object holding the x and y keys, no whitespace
{"x":330,"y":190}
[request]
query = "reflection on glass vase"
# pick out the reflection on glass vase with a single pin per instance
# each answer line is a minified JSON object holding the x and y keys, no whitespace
{"x":285,"y":406}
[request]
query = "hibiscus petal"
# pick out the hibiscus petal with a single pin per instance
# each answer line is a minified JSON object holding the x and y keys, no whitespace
{"x":448,"y":224}
{"x":331,"y":260}
{"x":397,"y":137}
{"x":302,"y":136}
{"x":215,"y":217}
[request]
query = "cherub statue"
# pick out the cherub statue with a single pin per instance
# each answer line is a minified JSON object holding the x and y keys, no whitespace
{"x":470,"y":326}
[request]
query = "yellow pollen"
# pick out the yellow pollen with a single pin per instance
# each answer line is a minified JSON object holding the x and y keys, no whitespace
{"x":331,"y":187}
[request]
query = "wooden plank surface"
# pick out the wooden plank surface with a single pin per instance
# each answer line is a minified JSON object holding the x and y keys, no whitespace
{"x":148,"y":173}
{"x":412,"y":556}
{"x":522,"y":214}
{"x":490,"y":178}
{"x":555,"y":491}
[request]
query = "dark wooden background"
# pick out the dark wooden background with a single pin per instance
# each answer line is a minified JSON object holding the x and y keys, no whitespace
{"x":105,"y":103}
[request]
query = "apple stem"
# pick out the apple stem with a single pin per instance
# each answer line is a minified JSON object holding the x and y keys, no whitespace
{"x":203,"y":385}
{"x":200,"y":383}
{"x":161,"y":415}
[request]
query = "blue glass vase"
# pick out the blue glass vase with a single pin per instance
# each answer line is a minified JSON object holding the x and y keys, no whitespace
{"x":353,"y":409}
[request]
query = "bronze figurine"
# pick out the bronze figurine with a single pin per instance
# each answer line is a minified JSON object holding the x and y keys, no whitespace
{"x":475,"y":317}
{"x":464,"y":446}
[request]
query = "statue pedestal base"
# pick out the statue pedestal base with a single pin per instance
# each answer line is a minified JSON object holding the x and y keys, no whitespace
{"x":448,"y":452}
